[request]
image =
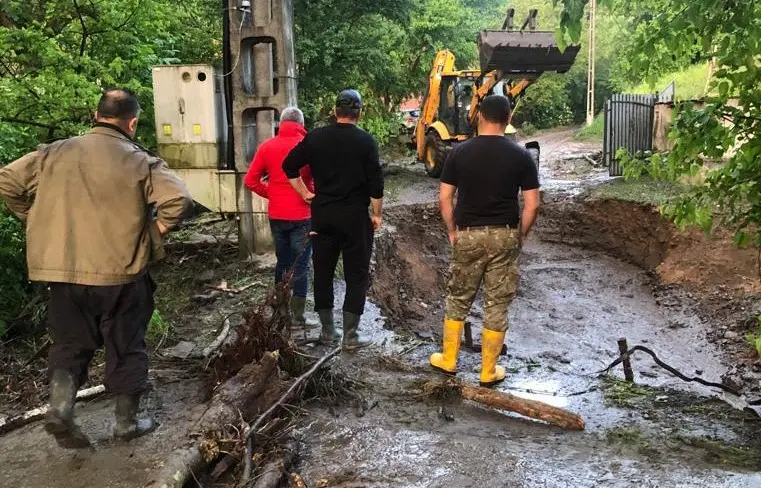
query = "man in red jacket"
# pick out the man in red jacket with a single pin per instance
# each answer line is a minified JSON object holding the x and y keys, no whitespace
{"x":290,"y":215}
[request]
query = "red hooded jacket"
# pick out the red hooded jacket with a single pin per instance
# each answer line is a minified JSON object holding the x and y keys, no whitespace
{"x":284,"y":202}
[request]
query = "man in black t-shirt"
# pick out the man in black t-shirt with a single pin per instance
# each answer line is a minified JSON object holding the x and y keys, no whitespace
{"x":347,"y":179}
{"x":487,"y":230}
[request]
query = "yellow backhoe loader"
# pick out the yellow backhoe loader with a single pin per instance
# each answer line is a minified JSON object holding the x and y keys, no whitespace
{"x":511,"y":60}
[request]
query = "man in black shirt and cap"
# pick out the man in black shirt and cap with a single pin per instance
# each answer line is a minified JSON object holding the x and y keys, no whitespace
{"x":347,"y":179}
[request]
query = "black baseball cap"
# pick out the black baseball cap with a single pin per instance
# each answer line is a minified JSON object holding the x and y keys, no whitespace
{"x":349,"y":99}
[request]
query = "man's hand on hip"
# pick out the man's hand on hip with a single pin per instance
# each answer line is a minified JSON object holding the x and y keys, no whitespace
{"x":163,"y":230}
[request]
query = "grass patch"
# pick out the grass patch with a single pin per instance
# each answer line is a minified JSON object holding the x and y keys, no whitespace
{"x":754,"y":337}
{"x":158,"y":328}
{"x":528,"y":129}
{"x":641,"y":190}
{"x":592,"y":132}
{"x":624,"y":394}
{"x":718,"y":453}
{"x":690,"y":83}
{"x":633,"y":438}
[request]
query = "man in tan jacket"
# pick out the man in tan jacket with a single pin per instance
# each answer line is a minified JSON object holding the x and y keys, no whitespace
{"x":88,"y":203}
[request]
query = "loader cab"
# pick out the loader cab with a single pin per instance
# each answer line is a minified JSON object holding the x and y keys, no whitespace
{"x":456,"y":97}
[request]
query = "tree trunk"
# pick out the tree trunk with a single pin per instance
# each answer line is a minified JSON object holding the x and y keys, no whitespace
{"x":529,"y":408}
{"x":241,"y":398}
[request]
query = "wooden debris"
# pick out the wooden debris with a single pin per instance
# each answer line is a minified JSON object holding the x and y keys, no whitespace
{"x":9,"y":424}
{"x":623,"y":347}
{"x":529,"y":408}
{"x":255,"y":388}
{"x":225,"y":288}
{"x":222,"y":340}
{"x":251,"y":429}
{"x":296,"y":481}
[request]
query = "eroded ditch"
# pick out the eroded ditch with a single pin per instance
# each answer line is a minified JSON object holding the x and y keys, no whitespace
{"x":574,"y":302}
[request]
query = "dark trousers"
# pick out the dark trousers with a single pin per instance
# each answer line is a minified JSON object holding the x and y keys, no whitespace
{"x":293,"y":250}
{"x":84,"y":318}
{"x":348,"y":231}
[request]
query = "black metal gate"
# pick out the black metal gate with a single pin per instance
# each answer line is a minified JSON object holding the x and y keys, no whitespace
{"x":629,"y":125}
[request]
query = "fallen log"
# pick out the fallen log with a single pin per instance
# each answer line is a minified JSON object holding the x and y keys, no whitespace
{"x":11,"y":423}
{"x":529,"y":408}
{"x":253,"y":390}
{"x":251,"y":429}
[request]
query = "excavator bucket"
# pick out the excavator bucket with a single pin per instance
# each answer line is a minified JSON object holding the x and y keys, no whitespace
{"x":525,"y":54}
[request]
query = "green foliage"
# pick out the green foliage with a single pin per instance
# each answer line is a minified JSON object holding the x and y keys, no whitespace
{"x":728,"y":154}
{"x":13,"y":284}
{"x":528,"y":129}
{"x":158,"y":328}
{"x":57,"y":56}
{"x":754,"y":338}
{"x":55,"y":59}
{"x":690,"y":83}
{"x":593,"y":132}
{"x":382,"y":48}
{"x":545,"y":104}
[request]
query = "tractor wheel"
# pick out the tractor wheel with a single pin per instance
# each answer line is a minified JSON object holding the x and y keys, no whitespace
{"x":436,"y":152}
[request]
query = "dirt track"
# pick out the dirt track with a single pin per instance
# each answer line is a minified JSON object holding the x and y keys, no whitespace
{"x":575,"y":300}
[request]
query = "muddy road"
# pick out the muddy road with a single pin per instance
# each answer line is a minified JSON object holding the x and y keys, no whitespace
{"x":575,"y":300}
{"x":572,"y":306}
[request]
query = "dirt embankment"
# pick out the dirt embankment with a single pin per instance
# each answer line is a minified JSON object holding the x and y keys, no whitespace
{"x":639,"y":234}
{"x":407,"y":284}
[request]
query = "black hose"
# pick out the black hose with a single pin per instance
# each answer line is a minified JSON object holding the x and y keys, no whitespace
{"x":668,"y":368}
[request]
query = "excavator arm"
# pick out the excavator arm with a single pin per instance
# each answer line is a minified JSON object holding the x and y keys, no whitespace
{"x":489,"y":81}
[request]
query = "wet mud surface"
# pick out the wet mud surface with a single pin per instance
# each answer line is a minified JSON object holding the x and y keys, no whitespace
{"x":573,"y":303}
{"x":582,"y":288}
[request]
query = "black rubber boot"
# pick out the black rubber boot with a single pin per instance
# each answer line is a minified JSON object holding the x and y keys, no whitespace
{"x":128,"y":425}
{"x":60,"y":422}
{"x":329,"y":334}
{"x":352,"y":340}
{"x":298,"y":306}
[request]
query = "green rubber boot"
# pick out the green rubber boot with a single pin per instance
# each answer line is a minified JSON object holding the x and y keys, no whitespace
{"x":60,"y":422}
{"x":352,"y":340}
{"x":329,"y":334}
{"x":128,"y":425}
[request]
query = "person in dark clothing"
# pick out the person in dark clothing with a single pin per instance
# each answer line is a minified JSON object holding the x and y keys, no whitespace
{"x":347,"y":179}
{"x":88,"y":205}
{"x":486,"y":229}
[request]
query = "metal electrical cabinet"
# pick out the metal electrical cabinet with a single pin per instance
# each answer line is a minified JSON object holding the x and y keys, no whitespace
{"x":191,"y":133}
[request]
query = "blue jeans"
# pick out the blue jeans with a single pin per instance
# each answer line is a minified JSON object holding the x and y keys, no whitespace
{"x":293,"y":250}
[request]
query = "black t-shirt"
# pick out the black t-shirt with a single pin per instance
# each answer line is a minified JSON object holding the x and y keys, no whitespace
{"x":344,"y":163}
{"x":488,"y":172}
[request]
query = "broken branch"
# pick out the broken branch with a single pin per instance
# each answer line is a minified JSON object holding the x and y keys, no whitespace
{"x":248,"y":435}
{"x":668,"y":368}
{"x":9,"y":424}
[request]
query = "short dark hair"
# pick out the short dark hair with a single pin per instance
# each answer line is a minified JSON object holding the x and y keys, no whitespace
{"x":118,"y":103}
{"x":496,"y":109}
{"x":347,"y":113}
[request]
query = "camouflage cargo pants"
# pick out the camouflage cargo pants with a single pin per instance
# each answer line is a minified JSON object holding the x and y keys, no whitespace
{"x":489,"y":255}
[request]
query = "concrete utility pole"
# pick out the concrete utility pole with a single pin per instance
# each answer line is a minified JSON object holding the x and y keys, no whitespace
{"x":591,"y":65}
{"x":263,"y":83}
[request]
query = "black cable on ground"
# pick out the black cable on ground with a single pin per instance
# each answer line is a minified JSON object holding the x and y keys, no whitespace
{"x":668,"y":368}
